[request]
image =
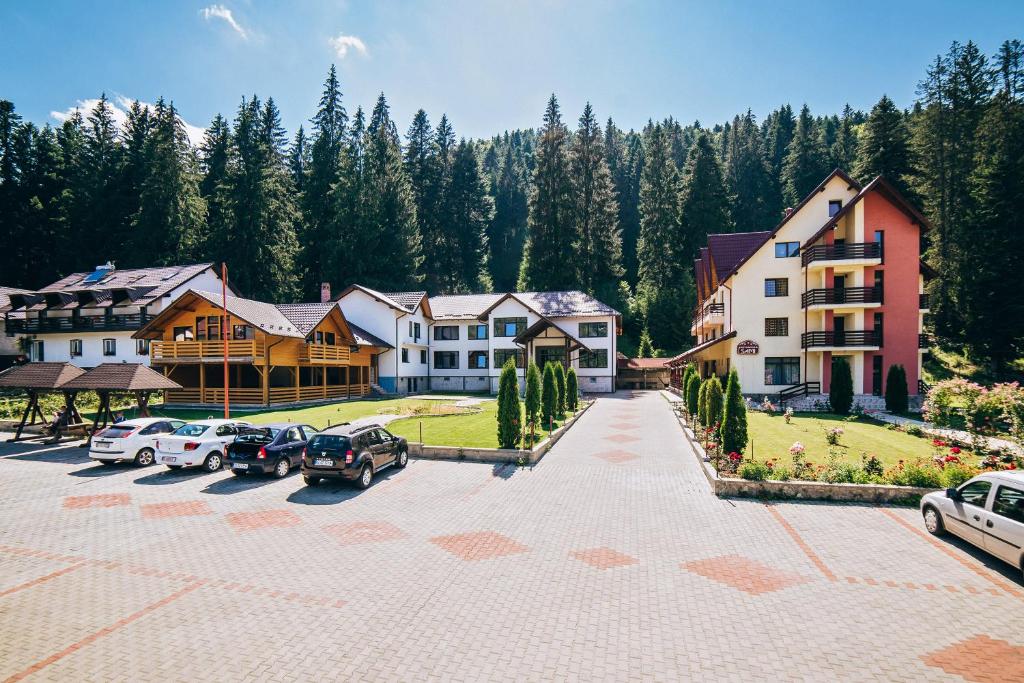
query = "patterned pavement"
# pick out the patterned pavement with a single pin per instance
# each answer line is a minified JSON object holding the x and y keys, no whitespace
{"x":609,"y":560}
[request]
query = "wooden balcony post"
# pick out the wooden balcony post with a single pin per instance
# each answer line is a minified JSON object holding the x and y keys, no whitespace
{"x":202,"y":383}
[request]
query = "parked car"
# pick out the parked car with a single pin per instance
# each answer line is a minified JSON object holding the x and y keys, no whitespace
{"x":198,"y":444}
{"x":270,"y":448}
{"x":987,"y":511}
{"x":352,"y":452}
{"x":131,"y":440}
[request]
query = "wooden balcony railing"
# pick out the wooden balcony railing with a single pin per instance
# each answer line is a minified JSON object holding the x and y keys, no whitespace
{"x":199,"y":351}
{"x":845,"y":338}
{"x":842,"y":295}
{"x":115,"y":322}
{"x":324,"y":354}
{"x":841,"y":252}
{"x":254,"y":395}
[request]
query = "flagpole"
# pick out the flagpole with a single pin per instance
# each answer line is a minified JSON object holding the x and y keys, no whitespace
{"x":225,"y":327}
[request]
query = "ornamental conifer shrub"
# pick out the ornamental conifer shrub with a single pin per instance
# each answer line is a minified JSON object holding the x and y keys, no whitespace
{"x":715,"y":402}
{"x":572,"y":390}
{"x":560,"y":387}
{"x":548,"y":396}
{"x":841,"y":390}
{"x":702,"y":402}
{"x":692,"y":394}
{"x":734,"y":417}
{"x":532,"y":392}
{"x":509,"y":415}
{"x":896,"y":398}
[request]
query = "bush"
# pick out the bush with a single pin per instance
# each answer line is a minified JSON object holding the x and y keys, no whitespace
{"x":572,"y":390}
{"x":915,"y":474}
{"x":532,"y":392}
{"x":841,"y":389}
{"x":782,"y":473}
{"x":702,"y":402}
{"x":548,"y":396}
{"x":560,"y":388}
{"x":914,"y":430}
{"x":715,"y":403}
{"x":896,"y":399}
{"x":955,"y":474}
{"x":734,"y":416}
{"x":754,"y":470}
{"x":692,"y":394}
{"x":509,"y":415}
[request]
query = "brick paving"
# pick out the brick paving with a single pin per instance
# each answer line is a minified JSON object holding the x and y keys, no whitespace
{"x":609,"y":560}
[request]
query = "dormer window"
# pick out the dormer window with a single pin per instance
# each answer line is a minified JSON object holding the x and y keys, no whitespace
{"x":834,"y":206}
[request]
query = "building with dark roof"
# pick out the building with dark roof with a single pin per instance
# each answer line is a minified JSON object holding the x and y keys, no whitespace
{"x":839,"y":277}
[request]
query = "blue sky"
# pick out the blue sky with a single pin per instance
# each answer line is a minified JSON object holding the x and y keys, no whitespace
{"x":489,"y":65}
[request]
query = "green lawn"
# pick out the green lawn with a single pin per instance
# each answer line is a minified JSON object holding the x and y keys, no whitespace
{"x":478,"y":430}
{"x":770,"y":439}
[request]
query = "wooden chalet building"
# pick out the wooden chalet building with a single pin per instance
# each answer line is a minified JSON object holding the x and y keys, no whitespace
{"x":277,"y":354}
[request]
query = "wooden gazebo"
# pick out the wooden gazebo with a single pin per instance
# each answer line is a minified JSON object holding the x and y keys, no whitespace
{"x":36,"y":379}
{"x":125,"y":378}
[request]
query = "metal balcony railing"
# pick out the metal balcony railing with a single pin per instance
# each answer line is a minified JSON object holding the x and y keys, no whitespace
{"x":841,"y":252}
{"x":115,"y":322}
{"x":844,"y":338}
{"x":841,"y":295}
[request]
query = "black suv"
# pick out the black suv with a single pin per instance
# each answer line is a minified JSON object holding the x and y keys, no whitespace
{"x":352,"y":452}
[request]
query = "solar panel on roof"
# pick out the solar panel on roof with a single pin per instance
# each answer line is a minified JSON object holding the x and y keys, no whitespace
{"x":98,"y":275}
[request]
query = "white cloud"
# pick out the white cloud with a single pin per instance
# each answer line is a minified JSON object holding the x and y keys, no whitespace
{"x":223,"y":13}
{"x":119,"y":111}
{"x":342,"y":44}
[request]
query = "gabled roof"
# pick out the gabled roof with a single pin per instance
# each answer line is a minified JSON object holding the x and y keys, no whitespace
{"x":406,"y":302}
{"x":121,"y":377}
{"x":5,"y":299}
{"x":39,"y":376}
{"x":565,"y":304}
{"x":264,"y":316}
{"x":305,"y":317}
{"x":364,"y":338}
{"x":642,"y":363}
{"x":728,"y":250}
{"x":144,"y":284}
{"x":886,"y":189}
{"x":544,"y":324}
{"x":461,"y":306}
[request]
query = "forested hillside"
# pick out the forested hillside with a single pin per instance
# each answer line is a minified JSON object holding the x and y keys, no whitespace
{"x":577,"y":203}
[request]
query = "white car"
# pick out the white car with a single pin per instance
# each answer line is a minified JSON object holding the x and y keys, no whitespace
{"x":198,"y":444}
{"x":987,"y":511}
{"x":131,"y":440}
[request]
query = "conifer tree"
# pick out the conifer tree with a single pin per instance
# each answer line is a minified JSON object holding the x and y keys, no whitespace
{"x":693,"y":394}
{"x":702,"y":402}
{"x":884,"y":147}
{"x":715,"y":403}
{"x":841,"y":390}
{"x":594,"y":212}
{"x":468,"y":212}
{"x":298,"y":161}
{"x":533,"y":392}
{"x":101,"y":220}
{"x":572,"y":390}
{"x":896,"y":395}
{"x":844,"y":150}
{"x":560,"y":388}
{"x":509,"y":411}
{"x":506,"y":232}
{"x":625,"y":156}
{"x":748,"y":178}
{"x":734,"y":416}
{"x":780,"y":127}
{"x":645,"y":349}
{"x":704,"y":203}
{"x":551,"y":235}
{"x":548,"y":396}
{"x":216,"y":154}
{"x":425,"y":178}
{"x":806,"y":164}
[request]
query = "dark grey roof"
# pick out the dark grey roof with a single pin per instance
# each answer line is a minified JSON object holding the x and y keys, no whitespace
{"x":123,"y":377}
{"x":407,"y":300}
{"x":5,"y":300}
{"x":456,"y":306}
{"x":364,"y":338}
{"x":40,"y":375}
{"x":144,"y":284}
{"x":564,"y":304}
{"x":306,"y":316}
{"x":259,"y":314}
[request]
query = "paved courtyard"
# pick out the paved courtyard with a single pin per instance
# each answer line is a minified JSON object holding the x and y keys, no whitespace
{"x":609,"y":560}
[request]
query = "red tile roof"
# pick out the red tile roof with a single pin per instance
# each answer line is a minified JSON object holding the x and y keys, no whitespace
{"x":728,"y":250}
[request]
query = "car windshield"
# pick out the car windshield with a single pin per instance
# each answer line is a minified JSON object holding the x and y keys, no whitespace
{"x":118,"y":431}
{"x":328,"y":441}
{"x":264,"y":435}
{"x":191,"y":430}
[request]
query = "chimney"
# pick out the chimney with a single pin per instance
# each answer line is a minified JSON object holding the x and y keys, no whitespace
{"x":789,"y":211}
{"x":325,"y":292}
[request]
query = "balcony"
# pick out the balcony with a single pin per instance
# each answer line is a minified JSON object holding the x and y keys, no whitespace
{"x":114,"y":322}
{"x":323,"y":354}
{"x":822,"y":255}
{"x":842,"y":297}
{"x":239,"y":350}
{"x":923,"y":341}
{"x":713,"y":314}
{"x":826,"y":339}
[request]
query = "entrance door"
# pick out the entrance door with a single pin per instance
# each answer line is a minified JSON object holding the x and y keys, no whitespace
{"x":876,"y":375}
{"x":553,"y":354}
{"x":36,"y":354}
{"x":840,"y":288}
{"x":839,"y":327}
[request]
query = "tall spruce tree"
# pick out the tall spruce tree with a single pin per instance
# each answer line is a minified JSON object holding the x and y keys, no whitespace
{"x":704,"y":202}
{"x":551,"y":238}
{"x":423,"y":168}
{"x":625,"y":155}
{"x":469,"y":211}
{"x":216,"y":154}
{"x":298,"y":161}
{"x":884,"y":147}
{"x":506,"y":232}
{"x":806,"y":164}
{"x":844,"y":150}
{"x":748,"y":178}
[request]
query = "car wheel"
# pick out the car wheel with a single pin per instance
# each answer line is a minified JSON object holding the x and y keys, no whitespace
{"x":212,"y":462}
{"x":282,"y":468}
{"x":238,"y":473}
{"x":144,"y":458}
{"x":365,"y":477}
{"x":108,"y":462}
{"x":311,"y":481}
{"x":402,"y":460}
{"x":933,"y":521}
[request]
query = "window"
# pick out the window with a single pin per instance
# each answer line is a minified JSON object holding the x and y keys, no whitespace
{"x":241,"y":332}
{"x":109,"y":347}
{"x":776,"y":286}
{"x":200,"y":328}
{"x":593,"y":329}
{"x":1009,"y":503}
{"x":76,"y":347}
{"x":142,"y":347}
{"x":446,"y":332}
{"x":319,"y":337}
{"x":476,"y":332}
{"x":423,"y":356}
{"x":776,"y":327}
{"x":550,"y":354}
{"x":880,"y":241}
{"x":598,"y":358}
{"x":405,"y":355}
{"x":478,"y":359}
{"x":975,"y":493}
{"x":183,"y":334}
{"x":834,"y":205}
{"x":446,"y":360}
{"x":501,"y":357}
{"x":330,"y":339}
{"x":414,"y":330}
{"x":787,"y":249}
{"x":785,"y":370}
{"x":509,"y":327}
{"x":227,"y":430}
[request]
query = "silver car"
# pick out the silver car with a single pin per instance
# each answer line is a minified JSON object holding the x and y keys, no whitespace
{"x":987,"y":511}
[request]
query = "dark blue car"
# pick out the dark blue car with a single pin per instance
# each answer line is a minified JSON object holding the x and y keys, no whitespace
{"x":270,"y":448}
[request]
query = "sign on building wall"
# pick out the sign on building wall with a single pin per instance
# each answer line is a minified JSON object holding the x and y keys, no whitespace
{"x":747,"y":348}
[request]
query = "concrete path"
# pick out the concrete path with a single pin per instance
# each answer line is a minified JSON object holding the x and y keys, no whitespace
{"x":944,"y":433}
{"x":610,"y":560}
